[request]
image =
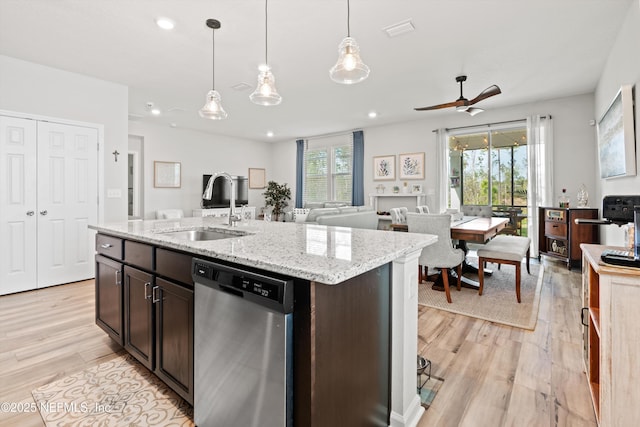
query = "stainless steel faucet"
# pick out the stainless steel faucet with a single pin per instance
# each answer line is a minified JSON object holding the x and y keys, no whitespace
{"x":208,"y":192}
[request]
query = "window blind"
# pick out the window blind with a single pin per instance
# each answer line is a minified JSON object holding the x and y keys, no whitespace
{"x":328,"y":169}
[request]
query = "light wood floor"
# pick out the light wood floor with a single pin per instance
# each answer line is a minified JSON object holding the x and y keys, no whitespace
{"x":494,"y":375}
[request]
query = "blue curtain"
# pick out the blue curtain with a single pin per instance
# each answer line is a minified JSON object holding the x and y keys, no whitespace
{"x":357,"y":186}
{"x":299,"y":171}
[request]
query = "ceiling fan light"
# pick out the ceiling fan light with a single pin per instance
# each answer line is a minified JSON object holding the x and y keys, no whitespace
{"x":474,"y":111}
{"x":462,"y":108}
{"x":266,"y":92}
{"x":212,"y":109}
{"x":349,"y":69}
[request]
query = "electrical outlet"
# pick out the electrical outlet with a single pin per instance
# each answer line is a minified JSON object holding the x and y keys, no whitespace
{"x":114,"y":193}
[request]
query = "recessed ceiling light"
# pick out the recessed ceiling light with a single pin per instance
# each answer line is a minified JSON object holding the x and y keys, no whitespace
{"x":270,"y":134}
{"x":155,"y":112}
{"x":165,"y":23}
{"x":373,"y":114}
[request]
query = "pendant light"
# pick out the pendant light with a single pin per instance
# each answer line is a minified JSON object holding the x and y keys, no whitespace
{"x":213,"y":107}
{"x":265,"y":93}
{"x":349,"y":69}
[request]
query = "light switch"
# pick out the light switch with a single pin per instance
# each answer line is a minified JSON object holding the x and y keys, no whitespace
{"x":114,"y":193}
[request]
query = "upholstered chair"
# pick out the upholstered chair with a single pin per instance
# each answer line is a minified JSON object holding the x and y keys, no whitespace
{"x":441,"y":254}
{"x":422,"y":209}
{"x":477,"y":210}
{"x":398,"y":215}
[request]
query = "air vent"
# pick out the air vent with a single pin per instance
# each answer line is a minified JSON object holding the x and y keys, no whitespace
{"x":240,"y":86}
{"x":399,"y":28}
{"x":134,"y":117}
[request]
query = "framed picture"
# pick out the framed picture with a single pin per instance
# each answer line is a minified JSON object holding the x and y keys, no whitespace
{"x":616,"y":138}
{"x":411,"y":165}
{"x":257,"y":178}
{"x":416,"y":188}
{"x":166,"y":174}
{"x":384,"y":168}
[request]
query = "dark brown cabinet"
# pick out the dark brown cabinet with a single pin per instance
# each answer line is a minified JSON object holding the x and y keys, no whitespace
{"x":109,"y":297}
{"x":149,"y":311}
{"x":138,"y":315}
{"x":560,"y":237}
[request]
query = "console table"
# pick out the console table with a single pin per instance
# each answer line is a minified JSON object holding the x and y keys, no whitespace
{"x":421,"y":199}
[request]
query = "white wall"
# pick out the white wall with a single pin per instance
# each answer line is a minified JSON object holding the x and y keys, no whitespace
{"x":199,"y":153}
{"x":31,"y":88}
{"x":623,"y":67}
{"x":575,"y":143}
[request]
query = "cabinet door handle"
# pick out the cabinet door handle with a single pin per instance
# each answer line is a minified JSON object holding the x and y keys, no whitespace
{"x":44,"y":212}
{"x":106,"y":245}
{"x":30,"y":213}
{"x":582,"y":316}
{"x":118,"y":278}
{"x":146,"y":287}
{"x":155,"y":298}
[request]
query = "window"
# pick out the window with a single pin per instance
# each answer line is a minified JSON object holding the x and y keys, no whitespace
{"x":490,"y":168}
{"x":328,"y":169}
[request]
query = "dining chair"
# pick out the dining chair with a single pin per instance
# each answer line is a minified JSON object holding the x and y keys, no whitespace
{"x":477,"y":210}
{"x":169,"y":213}
{"x":441,"y":254}
{"x":399,"y":215}
{"x":424,"y":209}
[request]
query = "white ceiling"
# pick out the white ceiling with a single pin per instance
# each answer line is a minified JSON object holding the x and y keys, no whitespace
{"x":532,"y":49}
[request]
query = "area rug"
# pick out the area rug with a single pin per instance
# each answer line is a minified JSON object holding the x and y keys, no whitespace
{"x":498,"y":301}
{"x":120,"y":392}
{"x":429,"y":390}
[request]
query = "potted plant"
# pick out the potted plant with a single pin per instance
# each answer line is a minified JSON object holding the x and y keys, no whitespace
{"x":277,"y":195}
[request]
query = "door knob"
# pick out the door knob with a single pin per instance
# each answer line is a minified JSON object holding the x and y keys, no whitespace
{"x":30,"y":213}
{"x":44,"y":212}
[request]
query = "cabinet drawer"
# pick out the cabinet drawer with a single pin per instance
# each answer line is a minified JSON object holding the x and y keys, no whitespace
{"x":555,"y":229}
{"x":139,"y":254}
{"x":174,"y":265}
{"x":109,"y":246}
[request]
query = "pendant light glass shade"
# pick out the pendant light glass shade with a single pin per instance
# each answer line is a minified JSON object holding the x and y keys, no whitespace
{"x":266,"y":93}
{"x":349,"y":69}
{"x":213,"y":107}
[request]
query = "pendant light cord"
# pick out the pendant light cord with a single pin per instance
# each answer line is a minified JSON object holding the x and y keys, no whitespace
{"x":266,"y":33}
{"x":348,"y":20}
{"x":213,"y":59}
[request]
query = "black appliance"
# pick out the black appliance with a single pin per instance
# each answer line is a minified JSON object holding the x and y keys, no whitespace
{"x":221,"y":195}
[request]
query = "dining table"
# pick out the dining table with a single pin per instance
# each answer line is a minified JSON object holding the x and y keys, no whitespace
{"x":472,"y":229}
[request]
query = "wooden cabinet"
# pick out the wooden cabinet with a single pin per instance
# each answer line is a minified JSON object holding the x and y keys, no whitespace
{"x":611,"y":297}
{"x":149,"y":311}
{"x":174,"y":336}
{"x":138,"y":315}
{"x":108,"y":284}
{"x":560,"y":237}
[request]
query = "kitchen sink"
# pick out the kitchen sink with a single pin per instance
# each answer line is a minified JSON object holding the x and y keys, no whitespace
{"x":201,"y":235}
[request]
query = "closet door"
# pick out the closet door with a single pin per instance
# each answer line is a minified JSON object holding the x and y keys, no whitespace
{"x":67,"y":202}
{"x":17,"y":204}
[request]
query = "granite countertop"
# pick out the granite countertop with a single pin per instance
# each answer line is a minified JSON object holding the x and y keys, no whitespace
{"x":314,"y":252}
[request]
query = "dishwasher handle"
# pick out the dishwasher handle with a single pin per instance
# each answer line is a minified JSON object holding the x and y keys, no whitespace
{"x":231,"y":290}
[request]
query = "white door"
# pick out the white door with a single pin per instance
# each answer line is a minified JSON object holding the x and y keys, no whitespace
{"x":17,"y":205}
{"x":67,"y":202}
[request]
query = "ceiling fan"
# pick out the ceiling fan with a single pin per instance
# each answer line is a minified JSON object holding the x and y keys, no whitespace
{"x":462,"y":104}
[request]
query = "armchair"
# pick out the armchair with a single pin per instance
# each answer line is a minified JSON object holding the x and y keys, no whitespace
{"x":440,"y":255}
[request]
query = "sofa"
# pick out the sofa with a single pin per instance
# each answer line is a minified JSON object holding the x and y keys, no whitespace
{"x":344,"y":216}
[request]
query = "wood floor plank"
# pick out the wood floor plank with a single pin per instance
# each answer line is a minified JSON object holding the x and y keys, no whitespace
{"x":494,"y":375}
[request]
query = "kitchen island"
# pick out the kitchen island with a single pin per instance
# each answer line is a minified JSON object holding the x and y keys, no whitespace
{"x":328,"y":262}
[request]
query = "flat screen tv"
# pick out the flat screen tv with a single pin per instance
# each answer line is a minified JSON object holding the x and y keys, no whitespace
{"x":220,"y":196}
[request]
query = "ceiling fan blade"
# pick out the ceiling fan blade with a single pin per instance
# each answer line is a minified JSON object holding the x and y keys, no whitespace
{"x":447,"y":105}
{"x":490,"y":91}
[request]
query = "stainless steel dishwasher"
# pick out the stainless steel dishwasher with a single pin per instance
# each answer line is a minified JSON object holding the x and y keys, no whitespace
{"x":243,"y":327}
